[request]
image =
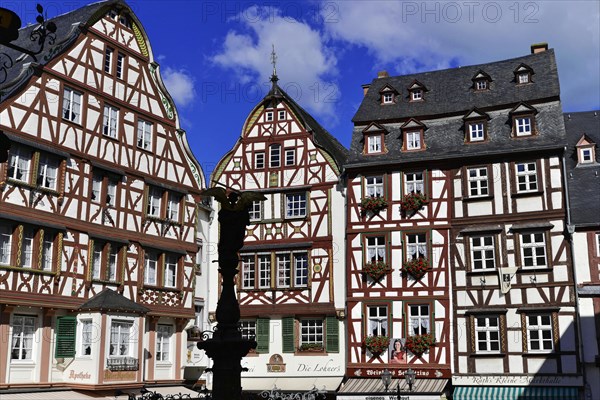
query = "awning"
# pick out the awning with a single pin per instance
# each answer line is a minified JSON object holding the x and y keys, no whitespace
{"x":290,"y":383}
{"x":172,"y":390}
{"x":60,"y":395}
{"x":363,"y":388}
{"x":515,"y":393}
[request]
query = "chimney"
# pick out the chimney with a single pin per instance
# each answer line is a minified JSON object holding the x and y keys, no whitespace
{"x":539,"y":48}
{"x":382,"y":74}
{"x":365,"y":89}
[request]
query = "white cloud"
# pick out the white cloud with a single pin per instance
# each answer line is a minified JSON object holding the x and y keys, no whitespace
{"x":305,"y":65}
{"x":180,"y":85}
{"x":415,"y":36}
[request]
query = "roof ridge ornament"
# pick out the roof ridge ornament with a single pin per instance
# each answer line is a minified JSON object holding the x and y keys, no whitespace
{"x":274,"y":77}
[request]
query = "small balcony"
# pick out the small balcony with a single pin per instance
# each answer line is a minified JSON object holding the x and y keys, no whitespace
{"x":122,"y":364}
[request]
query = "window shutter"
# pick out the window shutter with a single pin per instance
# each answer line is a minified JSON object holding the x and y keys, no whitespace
{"x":262,"y":335}
{"x":287,"y":330}
{"x":332,"y":332}
{"x":433,"y":322}
{"x":66,"y":329}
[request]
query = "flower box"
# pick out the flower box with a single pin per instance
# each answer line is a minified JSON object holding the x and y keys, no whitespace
{"x":373,"y":204}
{"x":310,"y":347}
{"x":419,"y":344}
{"x":416,"y":267}
{"x":376,"y":269}
{"x":376,"y":344}
{"x":412,"y":202}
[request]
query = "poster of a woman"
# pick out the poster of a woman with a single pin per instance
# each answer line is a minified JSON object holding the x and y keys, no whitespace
{"x":396,"y":351}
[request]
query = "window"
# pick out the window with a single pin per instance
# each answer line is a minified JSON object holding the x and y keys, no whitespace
{"x":27,"y":248}
{"x":481,"y":84}
{"x":256,"y":211}
{"x":487,"y":330}
{"x":154,"y":198}
{"x":275,"y":155}
{"x":120,"y":337}
{"x":170,"y":273}
{"x":523,"y":77}
{"x":539,"y":333}
{"x":295,"y":205}
{"x":248,"y":329}
{"x":248,"y":272}
{"x":418,"y":319}
{"x":109,"y":125}
{"x":413,"y":140}
{"x":86,"y":337}
{"x":374,"y":144}
{"x":416,"y":94}
{"x":151,"y":263}
{"x":36,"y":246}
{"x":290,"y":157}
{"x":269,"y":115}
{"x":388,"y":98}
{"x":125,"y":21}
{"x":281,"y":115}
{"x":47,"y":250}
{"x":526,"y":177}
{"x":300,"y":269}
{"x":284,"y":270}
{"x":416,"y":246}
{"x":5,"y":244}
{"x":374,"y":186}
{"x":163,"y":342}
{"x":108,"y":60}
{"x":23,"y":331}
{"x":378,"y":320}
{"x":585,"y":156}
{"x":311,"y":331}
{"x":107,"y":183}
{"x":48,"y":172}
{"x":598,"y":244}
{"x":482,"y":252}
{"x":144,"y":134}
{"x":533,"y":248}
{"x":476,"y":131}
{"x":173,"y":205}
{"x":264,"y":271}
{"x":104,"y":260}
{"x":71,"y":105}
{"x":259,"y":160}
{"x":376,"y":248}
{"x":523,"y":126}
{"x":20,"y":160}
{"x":478,"y":182}
{"x":414,"y":182}
{"x":120,"y":61}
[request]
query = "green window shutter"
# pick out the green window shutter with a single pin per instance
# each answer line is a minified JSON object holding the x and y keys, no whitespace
{"x":332,"y":335}
{"x":287,"y":329}
{"x":262,"y":335}
{"x":66,"y":331}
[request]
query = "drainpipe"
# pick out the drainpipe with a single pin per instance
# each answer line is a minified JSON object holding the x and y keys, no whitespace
{"x":571,"y":231}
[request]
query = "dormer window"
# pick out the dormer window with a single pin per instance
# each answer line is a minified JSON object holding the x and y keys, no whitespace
{"x":416,"y":91}
{"x":373,"y":144}
{"x":388,"y":98}
{"x":523,"y":120}
{"x":413,"y":135}
{"x":481,"y":81}
{"x":586,"y":151}
{"x":476,"y":131}
{"x":416,"y":94}
{"x":523,"y":74}
{"x":388,"y":94}
{"x":475,"y":126}
{"x":373,"y":139}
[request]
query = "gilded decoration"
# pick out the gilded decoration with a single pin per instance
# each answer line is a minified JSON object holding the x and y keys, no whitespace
{"x":140,"y":39}
{"x":165,"y":101}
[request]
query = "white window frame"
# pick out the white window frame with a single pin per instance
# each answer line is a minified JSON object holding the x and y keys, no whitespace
{"x":269,"y":116}
{"x":248,"y":271}
{"x":414,"y":182}
{"x":476,"y":131}
{"x":154,"y":199}
{"x":259,"y":160}
{"x":483,"y":252}
{"x":523,"y":77}
{"x":275,"y":156}
{"x":150,"y":267}
{"x":312,"y":331}
{"x":413,"y":140}
{"x":108,"y":53}
{"x":87,"y":339}
{"x":419,"y":318}
{"x":6,"y":237}
{"x":487,"y":333}
{"x":524,"y":126}
{"x":416,"y":94}
{"x":97,"y":181}
{"x":598,"y":244}
{"x":281,"y":115}
{"x":290,"y":157}
{"x":526,"y":177}
{"x":284,"y":270}
{"x":300,"y":260}
{"x":23,"y":338}
{"x":170,"y":272}
{"x":377,"y":320}
{"x":264,"y":270}
{"x":72,"y":105}
{"x":27,"y":246}
{"x":388,"y":98}
{"x":295,"y":205}
{"x":248,"y":329}
{"x":48,"y":172}
{"x":97,"y":260}
{"x":111,"y":192}
{"x":164,"y":333}
{"x":416,"y":246}
{"x":20,"y":164}
{"x":374,"y":186}
{"x":110,"y":121}
{"x":481,"y":84}
{"x":376,"y":248}
{"x":123,"y":334}
{"x":478,"y":185}
{"x":255,"y":211}
{"x":541,"y":327}
{"x":533,"y":248}
{"x":112,"y":262}
{"x":47,"y":251}
{"x":374,"y":144}
{"x":144,"y":134}
{"x":585,"y":156}
{"x":173,"y":205}
{"x":120,"y":65}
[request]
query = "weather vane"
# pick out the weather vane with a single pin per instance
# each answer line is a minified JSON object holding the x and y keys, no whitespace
{"x":274,"y":60}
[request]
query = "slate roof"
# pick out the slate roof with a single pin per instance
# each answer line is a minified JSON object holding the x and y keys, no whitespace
{"x":449,"y":98}
{"x":109,"y":300}
{"x":68,"y":25}
{"x":321,"y":136}
{"x":583,"y":180}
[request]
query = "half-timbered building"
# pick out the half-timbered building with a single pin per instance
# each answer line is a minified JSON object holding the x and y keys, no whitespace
{"x":97,"y":211}
{"x":583,"y":182}
{"x":291,"y":285}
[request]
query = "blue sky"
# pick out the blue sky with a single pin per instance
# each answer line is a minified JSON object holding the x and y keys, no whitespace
{"x":215,"y":55}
